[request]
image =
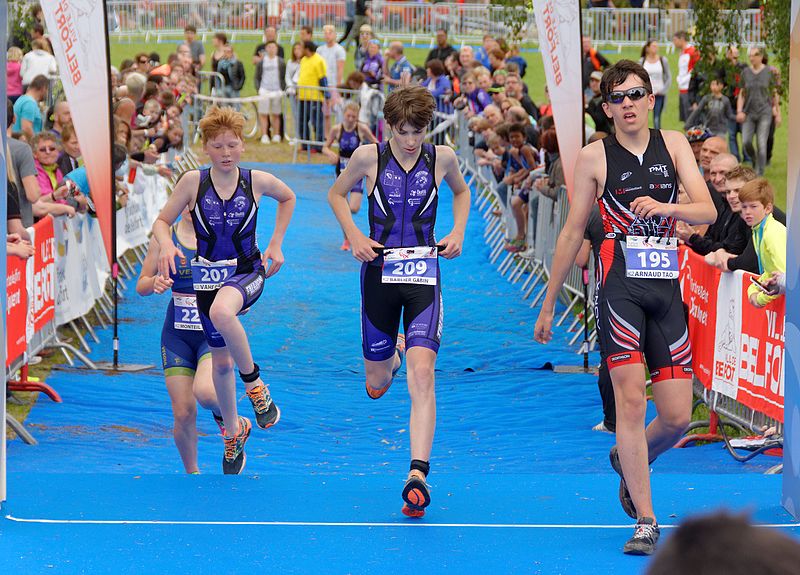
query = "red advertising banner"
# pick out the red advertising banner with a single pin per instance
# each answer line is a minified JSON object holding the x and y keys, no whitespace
{"x":44,"y":271}
{"x":16,"y":309}
{"x":761,"y":378}
{"x":699,"y":283}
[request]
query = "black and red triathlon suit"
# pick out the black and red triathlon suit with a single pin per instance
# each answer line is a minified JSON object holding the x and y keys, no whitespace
{"x":640,"y":320}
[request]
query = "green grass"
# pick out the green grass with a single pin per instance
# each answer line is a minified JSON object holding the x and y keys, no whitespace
{"x":535,"y":79}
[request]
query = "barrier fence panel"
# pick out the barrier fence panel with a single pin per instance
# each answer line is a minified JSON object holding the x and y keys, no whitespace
{"x":412,"y":21}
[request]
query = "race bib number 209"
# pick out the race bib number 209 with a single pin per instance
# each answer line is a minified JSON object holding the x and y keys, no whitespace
{"x":410,"y":265}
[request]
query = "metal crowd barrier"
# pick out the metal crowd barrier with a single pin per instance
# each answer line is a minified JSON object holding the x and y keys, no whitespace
{"x":17,"y":376}
{"x":411,"y":21}
{"x":546,"y":218}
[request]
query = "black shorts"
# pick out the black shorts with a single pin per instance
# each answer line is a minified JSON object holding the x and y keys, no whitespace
{"x":640,"y":320}
{"x":381,"y":307}
{"x":249,"y":283}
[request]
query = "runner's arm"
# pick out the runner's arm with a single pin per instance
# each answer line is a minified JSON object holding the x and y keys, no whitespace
{"x":326,"y":148}
{"x":570,"y":239}
{"x":454,"y":241}
{"x":181,"y":197}
{"x":150,"y":281}
{"x":362,"y":162}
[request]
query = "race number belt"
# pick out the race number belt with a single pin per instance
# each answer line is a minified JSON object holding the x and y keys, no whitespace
{"x":651,"y":257}
{"x":209,"y":276}
{"x":186,"y":316}
{"x":410,"y":265}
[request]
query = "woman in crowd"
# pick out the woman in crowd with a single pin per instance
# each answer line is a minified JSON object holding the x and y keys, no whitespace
{"x":660,"y":77}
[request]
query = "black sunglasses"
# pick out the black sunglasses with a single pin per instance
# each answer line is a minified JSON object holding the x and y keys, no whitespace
{"x":618,"y":96}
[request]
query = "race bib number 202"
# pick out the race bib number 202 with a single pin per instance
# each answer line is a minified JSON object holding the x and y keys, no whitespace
{"x":410,"y":265}
{"x":650,"y":257}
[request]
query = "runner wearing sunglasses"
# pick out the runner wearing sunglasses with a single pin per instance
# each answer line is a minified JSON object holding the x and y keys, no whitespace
{"x":399,"y":272}
{"x":634,"y":175}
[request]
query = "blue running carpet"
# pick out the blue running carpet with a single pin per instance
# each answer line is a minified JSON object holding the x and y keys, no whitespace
{"x":519,"y":481}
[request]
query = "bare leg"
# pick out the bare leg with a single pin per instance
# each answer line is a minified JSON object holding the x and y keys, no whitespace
{"x":204,"y":391}
{"x":519,"y":217}
{"x":379,"y":373}
{"x":637,"y":446}
{"x":184,"y":413}
{"x":227,"y":303}
{"x":225,"y":386}
{"x":421,"y":363}
{"x":275,"y":121}
{"x":263,"y":120}
{"x":629,"y":392}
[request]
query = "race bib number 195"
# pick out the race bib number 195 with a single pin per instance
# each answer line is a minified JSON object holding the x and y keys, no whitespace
{"x":650,"y":257}
{"x":209,"y":276}
{"x":410,"y":265}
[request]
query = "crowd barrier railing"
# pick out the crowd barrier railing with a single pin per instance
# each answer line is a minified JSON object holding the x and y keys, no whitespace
{"x":68,"y":279}
{"x":411,"y":21}
{"x":737,"y":349}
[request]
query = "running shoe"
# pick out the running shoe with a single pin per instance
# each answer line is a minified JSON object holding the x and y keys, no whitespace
{"x":276,"y":139}
{"x":624,"y":495}
{"x":345,"y":247}
{"x":220,"y":423}
{"x":234,"y":458}
{"x":400,"y":348}
{"x":265,"y":139}
{"x":267,"y":413}
{"x":644,"y":538}
{"x":602,"y":427}
{"x":416,"y":495}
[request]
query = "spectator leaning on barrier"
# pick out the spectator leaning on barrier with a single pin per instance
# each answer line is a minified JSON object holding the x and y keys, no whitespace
{"x":442,"y":49}
{"x":711,"y":148}
{"x":516,"y":89}
{"x":313,"y":74}
{"x":21,"y":170}
{"x":61,"y":115}
{"x":270,"y":81}
{"x":28,"y":115}
{"x":729,"y":232}
{"x":17,"y":239}
{"x":769,"y":235}
{"x":70,"y":157}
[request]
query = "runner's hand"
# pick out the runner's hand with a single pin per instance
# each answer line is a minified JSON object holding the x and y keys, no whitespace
{"x":361,"y":246}
{"x":166,"y":259}
{"x":272,"y":254}
{"x":645,"y":207}
{"x":543,"y":331}
{"x":452,"y":243}
{"x":161,"y":284}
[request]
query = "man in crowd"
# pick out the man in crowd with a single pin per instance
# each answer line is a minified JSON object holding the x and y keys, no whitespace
{"x":26,"y":108}
{"x":442,"y":49}
{"x":399,"y":72}
{"x":195,"y":45}
{"x":688,"y":57}
{"x":516,"y":89}
{"x":593,"y":61}
{"x":270,"y":35}
{"x":61,"y":117}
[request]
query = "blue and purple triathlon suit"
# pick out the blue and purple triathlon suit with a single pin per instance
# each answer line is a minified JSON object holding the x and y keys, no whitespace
{"x":226,"y":230}
{"x":183,"y":344}
{"x":348,"y":142}
{"x":402,"y":213}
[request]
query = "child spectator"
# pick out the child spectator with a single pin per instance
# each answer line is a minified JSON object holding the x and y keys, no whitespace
{"x":13,"y":75}
{"x":521,"y":160}
{"x":714,"y":111}
{"x":769,"y":235}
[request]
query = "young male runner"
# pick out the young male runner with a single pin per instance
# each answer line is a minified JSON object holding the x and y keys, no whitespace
{"x":634,"y":177}
{"x":403,"y":178}
{"x":229,"y":270}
